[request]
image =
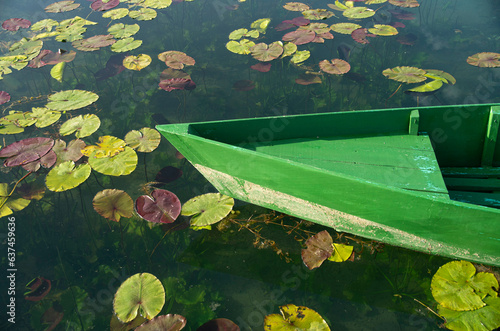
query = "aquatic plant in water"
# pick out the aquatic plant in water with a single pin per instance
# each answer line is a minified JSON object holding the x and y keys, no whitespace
{"x":295,"y":317}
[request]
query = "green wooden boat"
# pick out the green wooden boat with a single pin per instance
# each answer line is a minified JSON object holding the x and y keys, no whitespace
{"x":423,"y":178}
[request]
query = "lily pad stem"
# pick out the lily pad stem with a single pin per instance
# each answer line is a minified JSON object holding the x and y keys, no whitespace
{"x":12,"y":191}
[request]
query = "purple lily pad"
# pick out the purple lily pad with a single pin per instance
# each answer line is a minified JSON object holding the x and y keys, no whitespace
{"x":4,"y":97}
{"x":98,"y":5}
{"x":46,"y":57}
{"x":177,"y":84}
{"x":26,"y":151}
{"x":319,"y":248}
{"x":94,"y":43}
{"x":46,"y":161}
{"x":161,"y":206}
{"x":262,"y":67}
{"x":300,"y":37}
{"x":14,"y":24}
{"x":168,"y":174}
{"x":219,"y":324}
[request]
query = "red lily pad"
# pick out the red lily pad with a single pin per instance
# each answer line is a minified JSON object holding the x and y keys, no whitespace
{"x":319,"y":248}
{"x":161,"y":206}
{"x":71,"y":152}
{"x":14,"y":24}
{"x":262,"y":67}
{"x":335,"y":66}
{"x":4,"y":97}
{"x":26,"y":151}
{"x":176,"y":59}
{"x":244,"y":85}
{"x":177,"y":84}
{"x":308,"y":79}
{"x":398,"y":25}
{"x":300,"y":37}
{"x":47,"y":57}
{"x":38,"y":289}
{"x":219,"y":324}
{"x":46,"y":161}
{"x":360,"y":35}
{"x":264,"y":52}
{"x":169,"y":322}
{"x":170,"y":73}
{"x":485,"y":59}
{"x":99,"y":5}
{"x":94,"y":43}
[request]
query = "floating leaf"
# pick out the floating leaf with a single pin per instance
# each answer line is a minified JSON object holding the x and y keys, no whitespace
{"x":116,"y":14}
{"x":66,"y":176}
{"x":341,"y":252}
{"x":141,"y":294}
{"x":4,"y":97}
{"x":25,"y":151}
{"x":9,"y":124}
{"x":440,"y":75}
{"x":30,"y":49}
{"x":300,"y":56}
{"x":46,"y":24}
{"x":335,"y":66}
{"x":169,"y":322}
{"x":404,"y":3}
{"x":57,"y":71}
{"x":318,"y":28}
{"x":138,"y":62}
{"x":455,"y":286}
{"x":61,"y":6}
{"x":345,"y":28}
{"x":71,"y":99}
{"x":120,"y":164}
{"x":208,"y":208}
{"x":296,"y":6}
{"x":288,"y":49}
{"x":261,"y":24}
{"x":10,"y":204}
{"x":264,"y":52}
{"x":102,"y":5}
{"x":485,"y":318}
{"x":319,"y":248}
{"x":143,"y":14}
{"x":426,"y":89}
{"x":107,"y":146}
{"x":125,"y":45}
{"x":219,"y":324}
{"x":317,"y":14}
{"x":240,"y":33}
{"x":158,"y":4}
{"x":405,"y":74}
{"x":308,"y":79}
{"x":94,"y":43}
{"x":485,"y":59}
{"x":176,"y":59}
{"x":299,"y":37}
{"x":72,"y":152}
{"x":294,"y":318}
{"x":359,"y":35}
{"x":161,"y":206}
{"x":46,"y":161}
{"x":120,"y":30}
{"x":83,"y":125}
{"x":14,"y":24}
{"x":145,"y":140}
{"x":113,"y":204}
{"x":41,"y":117}
{"x":240,"y":47}
{"x":358,"y":12}
{"x":383,"y":30}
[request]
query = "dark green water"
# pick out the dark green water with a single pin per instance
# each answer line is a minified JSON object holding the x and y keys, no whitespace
{"x":209,"y":274}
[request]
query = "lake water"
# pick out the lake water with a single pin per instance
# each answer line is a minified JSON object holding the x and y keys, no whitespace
{"x":228,"y":271}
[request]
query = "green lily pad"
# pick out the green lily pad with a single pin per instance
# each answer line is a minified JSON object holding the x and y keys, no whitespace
{"x":261,"y":24}
{"x":120,"y":30}
{"x":138,"y":62}
{"x":335,"y":66}
{"x":486,"y":318}
{"x":94,"y":43}
{"x":383,"y":30}
{"x":143,"y":14}
{"x":345,"y":28}
{"x":240,"y":33}
{"x":141,"y":294}
{"x":71,"y":152}
{"x":120,"y":164}
{"x":341,"y":252}
{"x":125,"y":45}
{"x":358,"y":12}
{"x":300,"y":56}
{"x":40,"y":116}
{"x":116,"y":14}
{"x":83,"y":125}
{"x":61,"y":6}
{"x":66,"y":176}
{"x":145,"y":140}
{"x":317,"y":14}
{"x":318,"y":28}
{"x":295,"y":318}
{"x":30,"y":49}
{"x":240,"y":47}
{"x":9,"y":124}
{"x":405,"y":74}
{"x":169,"y":322}
{"x":157,"y":4}
{"x":485,"y":60}
{"x":10,"y":204}
{"x":264,"y":52}
{"x":455,"y":286}
{"x":296,"y":6}
{"x":440,"y":75}
{"x":46,"y":24}
{"x":57,"y":71}
{"x":426,"y":89}
{"x":113,"y":204}
{"x":288,"y":49}
{"x":71,"y":99}
{"x":208,"y":208}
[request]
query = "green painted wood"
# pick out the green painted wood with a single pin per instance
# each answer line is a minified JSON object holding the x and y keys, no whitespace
{"x":491,"y":137}
{"x":414,"y":122}
{"x":472,"y":184}
{"x":346,"y":202}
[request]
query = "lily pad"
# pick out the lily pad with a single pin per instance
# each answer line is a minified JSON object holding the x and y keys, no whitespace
{"x":318,"y":28}
{"x":207,"y":209}
{"x":61,"y":6}
{"x":138,"y":62}
{"x":405,"y":74}
{"x":483,"y":319}
{"x":46,"y":161}
{"x":120,"y":164}
{"x":141,"y":294}
{"x":57,"y":71}
{"x":261,"y":24}
{"x":161,"y":206}
{"x":341,"y":252}
{"x":14,"y":24}
{"x":317,"y":14}
{"x":485,"y":59}
{"x":240,"y":33}
{"x":9,"y":124}
{"x":345,"y":28}
{"x":143,"y":14}
{"x":120,"y":30}
{"x":25,"y":151}
{"x":383,"y":30}
{"x":26,"y":47}
{"x":107,"y":146}
{"x":176,"y":59}
{"x":66,"y":176}
{"x":177,"y":84}
{"x":41,"y":117}
{"x":145,"y":140}
{"x":125,"y":45}
{"x":426,"y":89}
{"x":116,"y":14}
{"x":46,"y":24}
{"x":288,"y":49}
{"x":264,"y":52}
{"x":240,"y":47}
{"x":440,"y":75}
{"x":335,"y":66}
{"x":113,"y":204}
{"x":94,"y":43}
{"x":169,"y":322}
{"x":299,"y":37}
{"x":359,"y":35}
{"x":157,"y":4}
{"x":83,"y":125}
{"x":219,"y":324}
{"x":71,"y":99}
{"x":358,"y":12}
{"x":294,"y":318}
{"x":404,"y":3}
{"x":319,"y":248}
{"x":10,"y":204}
{"x":100,"y":5}
{"x":456,"y":286}
{"x":300,"y":56}
{"x":296,"y":6}
{"x":4,"y":97}
{"x":71,"y":152}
